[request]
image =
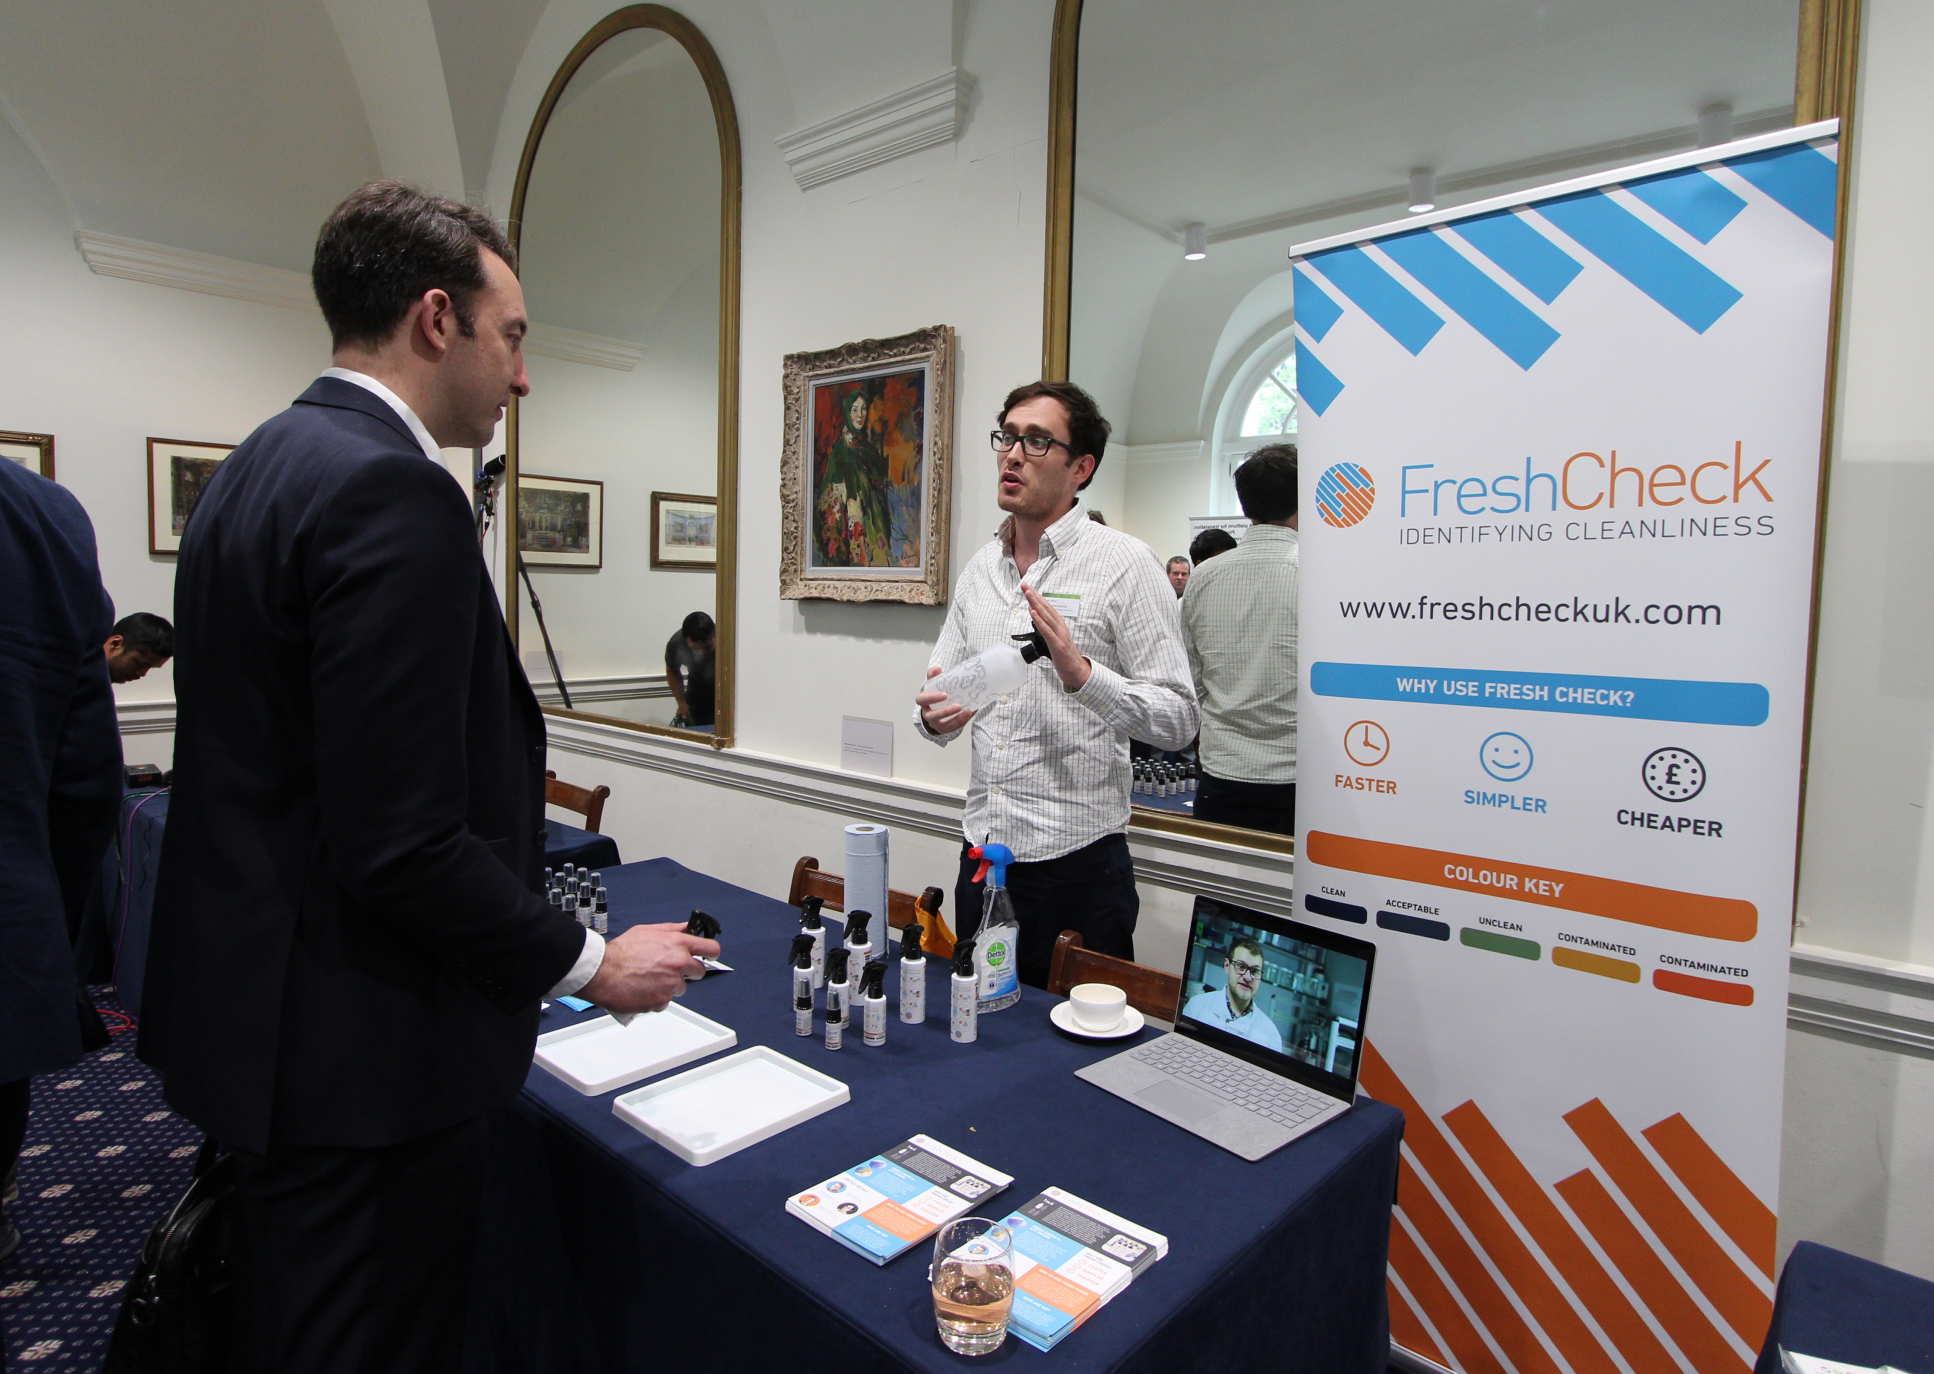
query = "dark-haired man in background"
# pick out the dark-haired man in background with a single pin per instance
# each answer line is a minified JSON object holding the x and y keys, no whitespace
{"x":1208,"y":544}
{"x":1239,"y":620}
{"x":137,"y":645}
{"x":1049,"y":766}
{"x":688,"y":670}
{"x":348,"y":946}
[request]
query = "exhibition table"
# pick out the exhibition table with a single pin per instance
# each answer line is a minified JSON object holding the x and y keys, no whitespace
{"x":619,"y":1255}
{"x":1838,"y":1307}
{"x":130,"y":910}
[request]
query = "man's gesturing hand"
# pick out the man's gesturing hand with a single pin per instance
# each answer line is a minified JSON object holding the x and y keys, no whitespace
{"x":646,"y":967}
{"x":1070,"y":664}
{"x":941,"y":715}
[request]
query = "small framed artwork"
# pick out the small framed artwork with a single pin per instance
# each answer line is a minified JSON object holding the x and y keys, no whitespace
{"x":34,"y":452}
{"x":178,"y":472}
{"x":866,"y":478}
{"x":560,"y":521}
{"x":684,"y":531}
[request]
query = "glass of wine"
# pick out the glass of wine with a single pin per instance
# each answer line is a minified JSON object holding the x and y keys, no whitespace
{"x":973,"y":1284}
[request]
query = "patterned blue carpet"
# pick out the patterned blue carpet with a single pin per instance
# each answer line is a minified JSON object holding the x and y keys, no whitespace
{"x":104,"y":1160}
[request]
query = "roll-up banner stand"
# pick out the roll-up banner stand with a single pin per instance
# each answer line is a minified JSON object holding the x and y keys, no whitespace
{"x":1560,"y":461}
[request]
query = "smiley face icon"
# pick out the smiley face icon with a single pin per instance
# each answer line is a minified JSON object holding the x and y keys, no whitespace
{"x":1505,"y":756}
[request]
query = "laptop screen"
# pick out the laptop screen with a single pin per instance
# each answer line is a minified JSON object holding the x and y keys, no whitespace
{"x":1289,"y":996}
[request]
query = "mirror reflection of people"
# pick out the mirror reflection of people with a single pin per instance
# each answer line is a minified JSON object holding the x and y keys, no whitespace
{"x":137,"y":645}
{"x":1232,"y":1007}
{"x":1239,"y":622}
{"x":1178,"y":573}
{"x":1050,"y":774}
{"x":688,"y":670}
{"x":1208,"y":544}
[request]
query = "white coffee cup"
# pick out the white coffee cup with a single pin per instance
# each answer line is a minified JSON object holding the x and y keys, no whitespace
{"x":1097,"y":1007}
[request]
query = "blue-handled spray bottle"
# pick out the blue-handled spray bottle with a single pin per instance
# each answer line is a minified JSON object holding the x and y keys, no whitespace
{"x":997,"y":944}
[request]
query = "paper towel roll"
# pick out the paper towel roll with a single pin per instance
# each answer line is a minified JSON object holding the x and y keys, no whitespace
{"x":866,"y":876}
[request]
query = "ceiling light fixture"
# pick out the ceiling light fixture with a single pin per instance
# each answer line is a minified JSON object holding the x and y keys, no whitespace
{"x":1715,"y":123}
{"x":1423,"y":190}
{"x":1195,"y":242}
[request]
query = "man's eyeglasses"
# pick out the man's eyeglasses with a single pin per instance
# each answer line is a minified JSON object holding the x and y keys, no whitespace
{"x":1034,"y":445}
{"x":1245,"y":970}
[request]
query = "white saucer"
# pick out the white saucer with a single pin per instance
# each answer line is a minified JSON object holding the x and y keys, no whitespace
{"x":1063,"y":1018}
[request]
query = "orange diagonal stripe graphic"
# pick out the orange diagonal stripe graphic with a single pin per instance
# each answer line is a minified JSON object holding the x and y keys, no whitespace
{"x":1522,"y":1271}
{"x":1555,"y":1235}
{"x":1472,"y":1355}
{"x":1407,"y":1328}
{"x":1720,"y":918}
{"x":1646,"y":1272}
{"x":1746,"y":1309}
{"x":1730,"y":1202}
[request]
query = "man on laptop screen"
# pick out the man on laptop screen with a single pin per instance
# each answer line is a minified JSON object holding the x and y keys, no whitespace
{"x":1232,"y":1007}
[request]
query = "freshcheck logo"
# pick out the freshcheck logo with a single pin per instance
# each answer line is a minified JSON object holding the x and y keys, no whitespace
{"x":1344,"y":495}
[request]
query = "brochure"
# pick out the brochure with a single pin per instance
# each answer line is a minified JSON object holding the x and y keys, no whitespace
{"x":1070,"y":1258}
{"x":895,"y":1200}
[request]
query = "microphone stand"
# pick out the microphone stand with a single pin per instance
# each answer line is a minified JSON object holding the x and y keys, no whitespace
{"x":486,"y":512}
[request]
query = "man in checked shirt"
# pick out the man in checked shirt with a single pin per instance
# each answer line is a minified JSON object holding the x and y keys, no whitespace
{"x":1049,"y":770}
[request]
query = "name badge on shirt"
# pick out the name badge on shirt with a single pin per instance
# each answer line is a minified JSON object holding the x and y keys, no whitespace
{"x":1067,"y":604}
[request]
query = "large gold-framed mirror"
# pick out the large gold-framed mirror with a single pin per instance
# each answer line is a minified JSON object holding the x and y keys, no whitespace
{"x":1234,"y":128}
{"x":623,"y":462}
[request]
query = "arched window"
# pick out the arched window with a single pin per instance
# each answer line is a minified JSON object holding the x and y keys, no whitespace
{"x":1259,"y":408}
{"x":1271,"y":411}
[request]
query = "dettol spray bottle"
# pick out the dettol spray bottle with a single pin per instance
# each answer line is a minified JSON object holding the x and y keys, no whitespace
{"x":998,"y":941}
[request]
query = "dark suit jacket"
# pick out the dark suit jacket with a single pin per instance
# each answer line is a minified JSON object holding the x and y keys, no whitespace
{"x":348,"y":946}
{"x":60,"y":762}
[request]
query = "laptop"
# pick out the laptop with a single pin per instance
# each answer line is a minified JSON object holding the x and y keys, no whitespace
{"x":1269,"y":1035}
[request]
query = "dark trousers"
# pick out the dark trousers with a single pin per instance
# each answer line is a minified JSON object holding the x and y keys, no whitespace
{"x":358,"y":1260}
{"x":1091,"y":890}
{"x":13,"y":1123}
{"x":1267,"y":806}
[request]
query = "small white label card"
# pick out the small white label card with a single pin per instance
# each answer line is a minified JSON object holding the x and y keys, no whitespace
{"x":866,"y":746}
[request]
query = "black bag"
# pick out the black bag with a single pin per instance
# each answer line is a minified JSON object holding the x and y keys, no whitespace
{"x":179,"y":1307}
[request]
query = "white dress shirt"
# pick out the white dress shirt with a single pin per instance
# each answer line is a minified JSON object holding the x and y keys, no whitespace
{"x":592,"y":953}
{"x":1050,"y":769}
{"x":1211,"y":1007}
{"x":1239,"y":623}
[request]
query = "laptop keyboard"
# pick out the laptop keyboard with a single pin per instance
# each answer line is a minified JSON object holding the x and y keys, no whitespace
{"x":1268,"y":1095}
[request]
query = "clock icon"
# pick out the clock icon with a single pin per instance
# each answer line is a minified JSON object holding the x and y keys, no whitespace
{"x":1674,"y":775}
{"x":1367,"y":743}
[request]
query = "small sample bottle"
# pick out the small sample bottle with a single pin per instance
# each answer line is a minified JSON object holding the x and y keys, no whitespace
{"x":801,"y":960}
{"x":993,"y":672}
{"x":601,"y":912}
{"x":838,"y":998}
{"x":873,"y":1002}
{"x":584,"y":912}
{"x":550,"y":879}
{"x":810,"y":924}
{"x":963,"y":1024}
{"x":913,"y":977}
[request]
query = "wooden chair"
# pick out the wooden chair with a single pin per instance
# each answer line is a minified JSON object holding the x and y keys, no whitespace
{"x":1150,"y":991}
{"x":588,"y":802}
{"x":902,"y":909}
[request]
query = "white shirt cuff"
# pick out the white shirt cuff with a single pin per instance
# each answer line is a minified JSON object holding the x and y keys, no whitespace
{"x":581,"y":972}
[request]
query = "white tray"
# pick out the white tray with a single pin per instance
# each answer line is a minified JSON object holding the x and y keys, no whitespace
{"x":717,"y":1109}
{"x":598,"y":1055}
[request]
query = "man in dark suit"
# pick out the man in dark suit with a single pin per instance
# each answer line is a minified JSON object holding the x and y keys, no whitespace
{"x":60,"y":781}
{"x":348,"y":946}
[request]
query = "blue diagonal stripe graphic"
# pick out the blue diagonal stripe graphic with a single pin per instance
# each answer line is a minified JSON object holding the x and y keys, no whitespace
{"x":1379,"y":295}
{"x":1314,"y":309}
{"x":1477,"y":300}
{"x":1661,"y":269}
{"x":1316,"y":384}
{"x":1802,"y":179}
{"x":1534,"y":261}
{"x":1690,"y":199}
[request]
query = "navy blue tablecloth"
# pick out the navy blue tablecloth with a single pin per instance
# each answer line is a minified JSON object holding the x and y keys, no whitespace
{"x":623,"y":1256}
{"x":130,"y":905}
{"x":1840,"y":1307}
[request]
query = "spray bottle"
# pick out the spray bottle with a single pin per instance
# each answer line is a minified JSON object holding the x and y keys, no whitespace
{"x":801,"y":960}
{"x":999,"y":937}
{"x":993,"y":672}
{"x":873,"y":1002}
{"x":963,"y":1023}
{"x":913,"y":977}
{"x":858,"y":939}
{"x":811,"y":925}
{"x":839,"y":996}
